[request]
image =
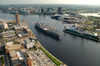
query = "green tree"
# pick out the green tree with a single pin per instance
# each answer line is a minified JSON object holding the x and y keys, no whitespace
{"x":6,"y":40}
{"x":0,"y":51}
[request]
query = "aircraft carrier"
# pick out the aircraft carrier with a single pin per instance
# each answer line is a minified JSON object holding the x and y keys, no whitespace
{"x":47,"y":29}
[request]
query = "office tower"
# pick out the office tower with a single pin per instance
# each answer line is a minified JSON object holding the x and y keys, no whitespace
{"x":44,"y":9}
{"x":17,"y":17}
{"x":59,"y":10}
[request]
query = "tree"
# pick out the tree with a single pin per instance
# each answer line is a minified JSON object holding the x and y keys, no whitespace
{"x":16,"y":42}
{"x":16,"y":33}
{"x":6,"y":40}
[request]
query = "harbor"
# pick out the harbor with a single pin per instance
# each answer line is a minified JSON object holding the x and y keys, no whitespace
{"x":55,"y":60}
{"x":73,"y":50}
{"x":88,"y":35}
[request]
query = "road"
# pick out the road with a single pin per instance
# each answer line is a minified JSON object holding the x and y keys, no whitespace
{"x":3,"y":51}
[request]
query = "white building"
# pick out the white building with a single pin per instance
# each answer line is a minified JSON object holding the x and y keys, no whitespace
{"x":8,"y":34}
{"x":39,"y":9}
{"x":9,"y":43}
{"x":29,"y":43}
{"x":26,"y":11}
{"x":4,"y":25}
{"x":97,"y":29}
{"x":20,"y":55}
{"x":10,"y":8}
{"x":17,"y":27}
{"x":44,"y":9}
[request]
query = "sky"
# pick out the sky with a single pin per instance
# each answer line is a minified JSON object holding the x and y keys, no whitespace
{"x":88,"y":2}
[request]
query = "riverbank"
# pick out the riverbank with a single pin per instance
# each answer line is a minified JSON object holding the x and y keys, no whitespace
{"x":91,"y":37}
{"x":53,"y":58}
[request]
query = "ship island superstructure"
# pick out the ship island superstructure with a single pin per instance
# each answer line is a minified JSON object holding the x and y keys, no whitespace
{"x":47,"y":29}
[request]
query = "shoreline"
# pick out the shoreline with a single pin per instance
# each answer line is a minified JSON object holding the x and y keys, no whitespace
{"x":81,"y":35}
{"x":46,"y":50}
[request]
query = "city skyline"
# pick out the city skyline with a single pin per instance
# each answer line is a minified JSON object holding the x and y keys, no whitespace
{"x":87,"y":2}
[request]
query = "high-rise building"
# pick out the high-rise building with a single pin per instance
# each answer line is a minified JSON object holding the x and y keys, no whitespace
{"x":41,"y":10}
{"x":4,"y":26}
{"x":17,"y":17}
{"x":59,"y":10}
{"x":44,"y":9}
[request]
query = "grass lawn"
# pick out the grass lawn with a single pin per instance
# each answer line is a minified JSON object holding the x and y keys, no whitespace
{"x":52,"y":58}
{"x":31,"y":49}
{"x":36,"y":42}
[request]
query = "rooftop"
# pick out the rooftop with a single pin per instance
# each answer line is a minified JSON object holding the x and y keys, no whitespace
{"x":40,"y":58}
{"x":15,"y":61}
{"x":3,"y":23}
{"x":13,"y":47}
{"x":27,"y":40}
{"x":17,"y":27}
{"x":9,"y":43}
{"x":23,"y":50}
{"x":8,"y":33}
{"x":23,"y":23}
{"x":20,"y":56}
{"x":13,"y":53}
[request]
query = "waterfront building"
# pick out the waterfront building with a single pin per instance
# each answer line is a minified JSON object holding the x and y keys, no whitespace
{"x":18,"y":58}
{"x":26,"y":59}
{"x":19,"y":11}
{"x":4,"y":26}
{"x":59,"y":10}
{"x":23,"y":23}
{"x":44,"y":9}
{"x":14,"y":58}
{"x":39,"y":9}
{"x":9,"y":8}
{"x":97,"y":30}
{"x":26,"y":11}
{"x":27,"y":30}
{"x":54,"y":11}
{"x":17,"y":17}
{"x":29,"y":43}
{"x":12,"y":12}
{"x":63,"y":12}
{"x":17,"y":27}
{"x":8,"y":34}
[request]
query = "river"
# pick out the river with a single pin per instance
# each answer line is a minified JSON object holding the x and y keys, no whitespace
{"x":70,"y":49}
{"x":90,"y":14}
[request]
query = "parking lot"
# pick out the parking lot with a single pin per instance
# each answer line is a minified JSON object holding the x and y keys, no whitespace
{"x":40,"y":58}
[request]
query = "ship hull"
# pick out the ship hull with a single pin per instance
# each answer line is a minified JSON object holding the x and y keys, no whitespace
{"x":51,"y":34}
{"x":55,"y":17}
{"x":95,"y":38}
